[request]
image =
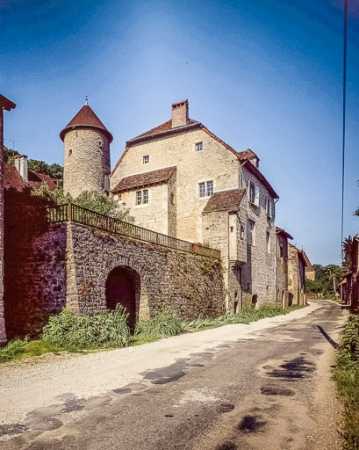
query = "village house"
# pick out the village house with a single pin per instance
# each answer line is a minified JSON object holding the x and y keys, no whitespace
{"x":282,"y":267}
{"x":180,"y":179}
{"x":296,"y":276}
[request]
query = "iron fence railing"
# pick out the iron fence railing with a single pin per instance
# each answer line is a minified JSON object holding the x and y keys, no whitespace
{"x":73,"y":213}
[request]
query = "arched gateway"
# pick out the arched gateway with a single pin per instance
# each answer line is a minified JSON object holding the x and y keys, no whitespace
{"x":123,"y":286}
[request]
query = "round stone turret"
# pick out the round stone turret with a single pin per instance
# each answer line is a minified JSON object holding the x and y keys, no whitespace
{"x":86,"y":153}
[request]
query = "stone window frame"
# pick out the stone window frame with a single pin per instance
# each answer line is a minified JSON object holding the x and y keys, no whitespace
{"x":253,"y":193}
{"x":146,"y":159}
{"x":142,"y":197}
{"x":198,"y":146}
{"x":205,"y":188}
{"x":145,"y":196}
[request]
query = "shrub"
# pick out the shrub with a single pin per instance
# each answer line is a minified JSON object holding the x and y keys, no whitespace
{"x":87,"y":331}
{"x":346,"y":374}
{"x":13,"y":350}
{"x":162,"y":325}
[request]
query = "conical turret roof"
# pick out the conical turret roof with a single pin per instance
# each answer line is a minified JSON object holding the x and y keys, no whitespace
{"x":85,"y":118}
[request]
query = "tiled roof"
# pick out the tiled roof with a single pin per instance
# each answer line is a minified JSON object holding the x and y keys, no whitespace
{"x":281,"y":231}
{"x":225,"y":201}
{"x":164,"y":127}
{"x":144,"y":179}
{"x":86,"y":118}
{"x":12,"y":179}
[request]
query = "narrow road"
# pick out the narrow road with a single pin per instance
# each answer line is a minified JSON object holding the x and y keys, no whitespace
{"x":264,"y":385}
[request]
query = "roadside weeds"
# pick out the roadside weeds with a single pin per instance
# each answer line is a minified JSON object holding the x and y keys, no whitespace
{"x":87,"y":333}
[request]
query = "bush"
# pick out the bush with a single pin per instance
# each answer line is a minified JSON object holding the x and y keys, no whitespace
{"x":162,"y":325}
{"x":13,"y":350}
{"x":88,"y":331}
{"x":346,"y":374}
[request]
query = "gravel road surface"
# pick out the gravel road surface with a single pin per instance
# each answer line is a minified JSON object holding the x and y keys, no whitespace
{"x":263,"y":385}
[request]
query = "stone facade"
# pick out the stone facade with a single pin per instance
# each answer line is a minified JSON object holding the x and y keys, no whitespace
{"x":206,"y":166}
{"x":282,"y":267}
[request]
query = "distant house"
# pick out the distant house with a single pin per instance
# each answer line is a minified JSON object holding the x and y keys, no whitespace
{"x":296,"y":276}
{"x":282,"y":267}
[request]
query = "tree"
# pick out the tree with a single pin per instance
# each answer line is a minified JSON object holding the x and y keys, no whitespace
{"x":54,"y":171}
{"x":327,"y":278}
{"x":347,"y":246}
{"x":89,"y":200}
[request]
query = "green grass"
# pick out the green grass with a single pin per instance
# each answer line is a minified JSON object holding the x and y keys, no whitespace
{"x":67,"y":332}
{"x":346,"y":374}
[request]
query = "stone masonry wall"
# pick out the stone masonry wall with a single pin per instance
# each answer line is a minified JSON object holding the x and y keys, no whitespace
{"x":282,"y":270}
{"x":259,"y":274}
{"x":185,"y":284}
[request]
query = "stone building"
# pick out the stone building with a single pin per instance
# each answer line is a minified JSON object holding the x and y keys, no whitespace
{"x":180,"y":179}
{"x":282,"y":267}
{"x":86,"y":153}
{"x":296,"y":276}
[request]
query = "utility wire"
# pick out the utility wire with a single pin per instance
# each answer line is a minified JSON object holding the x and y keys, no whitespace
{"x":344,"y":111}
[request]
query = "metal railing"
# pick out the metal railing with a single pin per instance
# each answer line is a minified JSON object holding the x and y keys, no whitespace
{"x":73,"y":213}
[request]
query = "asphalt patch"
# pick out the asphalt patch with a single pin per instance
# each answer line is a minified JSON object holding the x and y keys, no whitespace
{"x":251,"y":424}
{"x":12,"y":428}
{"x":122,"y":391}
{"x":72,"y":405}
{"x":225,"y":408}
{"x":167,"y":374}
{"x":276,"y":390}
{"x":297,"y":368}
{"x":203,"y":354}
{"x":227,"y":446}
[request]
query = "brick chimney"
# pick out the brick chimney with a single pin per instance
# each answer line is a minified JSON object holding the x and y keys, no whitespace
{"x":180,"y":114}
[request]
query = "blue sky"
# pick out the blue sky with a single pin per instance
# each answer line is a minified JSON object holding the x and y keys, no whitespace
{"x":265,"y":75}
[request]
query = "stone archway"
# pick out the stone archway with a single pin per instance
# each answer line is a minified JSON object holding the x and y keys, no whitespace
{"x":123,"y":286}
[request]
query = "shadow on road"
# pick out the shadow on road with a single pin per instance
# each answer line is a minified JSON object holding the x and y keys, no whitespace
{"x":327,"y":337}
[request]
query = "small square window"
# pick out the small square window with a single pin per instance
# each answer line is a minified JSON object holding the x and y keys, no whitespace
{"x":120,"y":197}
{"x":199,"y":146}
{"x":146,"y":159}
{"x":138,"y":197}
{"x":145,"y":196}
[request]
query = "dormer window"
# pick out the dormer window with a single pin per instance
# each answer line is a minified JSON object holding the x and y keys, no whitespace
{"x":146,"y":159}
{"x":199,"y":146}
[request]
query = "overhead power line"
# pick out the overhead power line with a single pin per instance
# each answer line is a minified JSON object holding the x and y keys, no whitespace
{"x":344,"y":113}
